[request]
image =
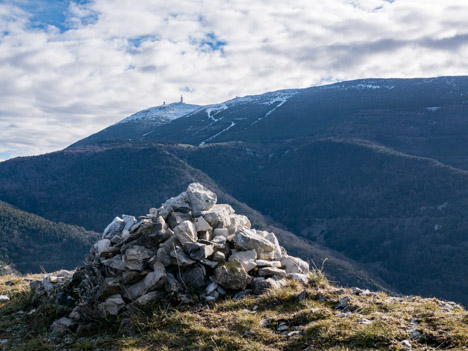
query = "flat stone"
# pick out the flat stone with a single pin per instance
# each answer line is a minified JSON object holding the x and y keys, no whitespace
{"x":246,"y":258}
{"x":236,"y":222}
{"x":202,"y":225}
{"x":271,"y":271}
{"x":175,"y":218}
{"x":179,"y":203}
{"x":110,"y":286}
{"x":248,"y":239}
{"x":153,"y":280}
{"x":295,"y":265}
{"x":114,"y":228}
{"x":4,"y":298}
{"x":232,"y":275}
{"x":172,"y":285}
{"x":218,"y":216}
{"x":303,"y":278}
{"x":129,"y":221}
{"x":153,"y":296}
{"x":136,"y":258}
{"x":132,"y":277}
{"x":266,"y":263}
{"x":219,"y":256}
{"x":274,"y":240}
{"x":163,"y":256}
{"x":195,"y":276}
{"x":112,"y":306}
{"x":209,"y":263}
{"x":186,"y":232}
{"x":101,"y":246}
{"x":198,"y":251}
{"x":180,"y":258}
{"x":221,"y":231}
{"x":200,"y":198}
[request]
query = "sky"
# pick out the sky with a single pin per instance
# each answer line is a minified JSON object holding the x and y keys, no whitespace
{"x":71,"y":68}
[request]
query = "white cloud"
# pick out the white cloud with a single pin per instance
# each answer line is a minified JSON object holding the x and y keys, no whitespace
{"x":116,"y":57}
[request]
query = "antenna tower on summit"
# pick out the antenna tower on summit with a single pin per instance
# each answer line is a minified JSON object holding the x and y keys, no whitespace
{"x":181,"y":99}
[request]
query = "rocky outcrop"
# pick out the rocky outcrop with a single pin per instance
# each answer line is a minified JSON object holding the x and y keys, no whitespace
{"x":188,"y":245}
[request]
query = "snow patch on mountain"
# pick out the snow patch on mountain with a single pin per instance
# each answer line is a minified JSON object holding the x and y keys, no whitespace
{"x":163,"y":113}
{"x":265,"y":99}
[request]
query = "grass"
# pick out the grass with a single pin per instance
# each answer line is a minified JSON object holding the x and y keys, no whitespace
{"x":248,"y":324}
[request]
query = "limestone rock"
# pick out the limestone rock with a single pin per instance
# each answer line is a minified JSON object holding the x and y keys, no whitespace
{"x":61,"y":326}
{"x":114,"y":228}
{"x":266,"y":263}
{"x":136,"y":257}
{"x":179,"y":203}
{"x":246,"y":258}
{"x":218,"y":216}
{"x":112,"y":306}
{"x":295,"y":265}
{"x":4,"y":298}
{"x":101,"y":246}
{"x":236,"y":222}
{"x":111,"y":286}
{"x":153,"y":296}
{"x":198,"y":251}
{"x":115,"y":262}
{"x":152,"y":281}
{"x":248,"y":239}
{"x":201,"y":198}
{"x":202,"y":225}
{"x":180,"y":258}
{"x":195,"y":276}
{"x":219,"y":257}
{"x":271,"y":271}
{"x":186,"y":232}
{"x":129,"y":221}
{"x":231,"y":275}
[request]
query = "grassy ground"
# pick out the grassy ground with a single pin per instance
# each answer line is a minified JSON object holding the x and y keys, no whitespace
{"x":311,"y":320}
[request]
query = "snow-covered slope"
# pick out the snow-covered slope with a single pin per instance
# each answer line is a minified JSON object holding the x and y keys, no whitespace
{"x":164,"y":112}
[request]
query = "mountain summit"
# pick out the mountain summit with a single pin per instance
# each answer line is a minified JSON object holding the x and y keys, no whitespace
{"x":142,"y":123}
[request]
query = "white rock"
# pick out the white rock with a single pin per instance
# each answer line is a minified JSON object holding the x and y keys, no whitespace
{"x":201,"y":198}
{"x":114,"y":228}
{"x":179,"y":203}
{"x":219,"y":215}
{"x":219,"y":256}
{"x":112,"y":306}
{"x":237,"y":221}
{"x":266,"y":263}
{"x":202,"y":225}
{"x":271,"y":271}
{"x":246,"y":258}
{"x":277,"y":252}
{"x":116,"y":262}
{"x":180,"y":257}
{"x":129,"y":221}
{"x":221,"y":231}
{"x":136,"y":257}
{"x":249,"y":240}
{"x":101,"y":246}
{"x":4,"y":298}
{"x":186,"y":232}
{"x":152,"y":280}
{"x":295,"y":265}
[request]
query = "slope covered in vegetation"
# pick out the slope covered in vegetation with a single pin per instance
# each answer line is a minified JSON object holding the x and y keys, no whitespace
{"x":320,"y":316}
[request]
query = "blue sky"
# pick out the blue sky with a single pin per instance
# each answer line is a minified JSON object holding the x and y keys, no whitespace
{"x":71,"y":68}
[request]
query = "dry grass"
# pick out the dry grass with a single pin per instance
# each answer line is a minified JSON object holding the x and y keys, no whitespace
{"x":251,"y":323}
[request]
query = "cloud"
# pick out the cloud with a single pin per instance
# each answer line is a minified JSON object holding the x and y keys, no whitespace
{"x":67,"y":71}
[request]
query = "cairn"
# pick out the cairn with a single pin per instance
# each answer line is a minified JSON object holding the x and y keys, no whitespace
{"x":190,"y":245}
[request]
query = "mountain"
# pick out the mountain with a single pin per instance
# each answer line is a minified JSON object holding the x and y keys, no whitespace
{"x":33,"y":243}
{"x":422,"y":117}
{"x":92,"y":185}
{"x":374,"y":169}
{"x":141,"y":124}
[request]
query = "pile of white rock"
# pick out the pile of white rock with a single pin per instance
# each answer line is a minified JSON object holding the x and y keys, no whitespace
{"x":189,"y":246}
